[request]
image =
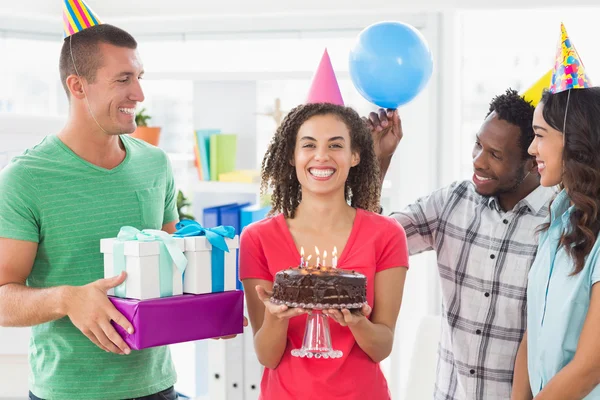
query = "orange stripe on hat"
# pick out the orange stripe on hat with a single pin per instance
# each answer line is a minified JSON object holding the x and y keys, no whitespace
{"x":81,"y":17}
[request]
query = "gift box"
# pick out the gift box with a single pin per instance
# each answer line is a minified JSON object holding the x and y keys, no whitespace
{"x":179,"y":319}
{"x":211,"y":255}
{"x":154,"y":262}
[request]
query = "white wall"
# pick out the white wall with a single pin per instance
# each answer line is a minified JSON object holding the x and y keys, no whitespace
{"x":18,"y":132}
{"x":14,"y":367}
{"x":155,"y":17}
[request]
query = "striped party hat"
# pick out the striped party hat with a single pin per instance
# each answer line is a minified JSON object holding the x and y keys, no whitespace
{"x":78,"y":16}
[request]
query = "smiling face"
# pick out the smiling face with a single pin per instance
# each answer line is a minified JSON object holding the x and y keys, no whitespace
{"x":323,"y":155}
{"x":498,"y":163}
{"x":115,"y":92}
{"x":547,"y":148}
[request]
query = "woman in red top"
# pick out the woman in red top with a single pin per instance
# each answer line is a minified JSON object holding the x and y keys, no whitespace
{"x":325,"y":179}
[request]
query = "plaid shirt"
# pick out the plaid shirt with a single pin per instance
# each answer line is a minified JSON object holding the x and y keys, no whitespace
{"x":484,"y":255}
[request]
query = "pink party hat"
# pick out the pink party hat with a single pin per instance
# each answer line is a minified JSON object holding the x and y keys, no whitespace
{"x":324,"y":87}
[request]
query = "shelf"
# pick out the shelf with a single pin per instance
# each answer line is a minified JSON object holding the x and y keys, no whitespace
{"x":235,"y":75}
{"x":174,"y":157}
{"x":237,"y":187}
{"x":224,"y":187}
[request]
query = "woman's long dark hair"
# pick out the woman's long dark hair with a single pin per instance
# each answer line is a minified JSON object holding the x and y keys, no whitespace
{"x":581,"y":165}
{"x":363,"y":188}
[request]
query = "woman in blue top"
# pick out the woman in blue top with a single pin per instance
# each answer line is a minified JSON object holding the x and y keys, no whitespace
{"x":559,"y":357}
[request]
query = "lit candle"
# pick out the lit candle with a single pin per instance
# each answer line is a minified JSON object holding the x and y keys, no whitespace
{"x":308,"y":259}
{"x":324,"y":257}
{"x":301,"y":256}
{"x":334,"y":259}
{"x":318,"y":256}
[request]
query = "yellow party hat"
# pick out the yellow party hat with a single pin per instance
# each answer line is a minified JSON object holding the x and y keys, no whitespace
{"x":534,"y":93}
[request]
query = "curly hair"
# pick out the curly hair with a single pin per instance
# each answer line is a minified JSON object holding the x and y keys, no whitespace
{"x":514,"y":109}
{"x":581,"y":165}
{"x":363,"y":186}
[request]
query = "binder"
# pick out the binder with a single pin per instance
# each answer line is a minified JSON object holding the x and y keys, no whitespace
{"x":226,"y":369}
{"x":252,"y":214}
{"x":253,"y":371}
{"x":230,"y":216}
{"x":223,"y":154}
{"x":211,"y":216}
{"x":202,"y":137}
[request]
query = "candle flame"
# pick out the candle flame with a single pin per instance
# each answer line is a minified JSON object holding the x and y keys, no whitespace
{"x":302,"y":251}
{"x":317,"y":250}
{"x":309,"y":257}
{"x":325,"y":254}
{"x":334,"y":252}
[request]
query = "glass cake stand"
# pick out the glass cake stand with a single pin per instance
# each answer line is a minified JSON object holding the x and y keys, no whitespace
{"x":317,"y":335}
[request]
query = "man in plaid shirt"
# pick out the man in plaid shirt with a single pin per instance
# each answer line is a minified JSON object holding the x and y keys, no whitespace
{"x":483,"y":232}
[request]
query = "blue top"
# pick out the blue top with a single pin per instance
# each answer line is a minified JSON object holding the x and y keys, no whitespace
{"x":557,"y":303}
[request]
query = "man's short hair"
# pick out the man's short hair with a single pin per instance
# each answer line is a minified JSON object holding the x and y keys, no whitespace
{"x":83,"y":48}
{"x":514,"y":109}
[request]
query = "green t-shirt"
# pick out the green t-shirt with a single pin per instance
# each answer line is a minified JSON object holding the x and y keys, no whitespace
{"x":51,"y":196}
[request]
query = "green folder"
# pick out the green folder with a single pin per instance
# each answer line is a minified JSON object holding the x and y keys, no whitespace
{"x":223,"y":154}
{"x":203,"y":143}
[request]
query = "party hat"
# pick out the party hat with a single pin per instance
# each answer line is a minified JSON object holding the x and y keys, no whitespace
{"x":324,"y":87}
{"x":534,"y":93}
{"x":77,"y":16}
{"x":569,"y":72}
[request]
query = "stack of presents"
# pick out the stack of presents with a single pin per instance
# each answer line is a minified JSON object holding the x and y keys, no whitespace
{"x":188,"y":279}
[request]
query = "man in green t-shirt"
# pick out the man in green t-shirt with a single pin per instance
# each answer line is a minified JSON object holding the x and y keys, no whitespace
{"x":57,"y":200}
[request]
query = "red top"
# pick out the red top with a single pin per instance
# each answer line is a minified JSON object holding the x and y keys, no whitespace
{"x":376,"y":243}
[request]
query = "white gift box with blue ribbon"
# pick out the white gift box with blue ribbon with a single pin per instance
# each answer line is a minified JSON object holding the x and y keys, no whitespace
{"x":212,"y":258}
{"x":154,"y":262}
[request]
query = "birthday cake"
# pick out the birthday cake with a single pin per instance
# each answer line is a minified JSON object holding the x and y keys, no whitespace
{"x":320,"y":287}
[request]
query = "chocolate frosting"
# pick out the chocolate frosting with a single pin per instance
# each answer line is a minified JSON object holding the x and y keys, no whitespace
{"x":320,"y":285}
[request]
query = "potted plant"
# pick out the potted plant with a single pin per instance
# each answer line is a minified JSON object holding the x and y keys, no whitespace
{"x":183,"y":202}
{"x":149,"y":134}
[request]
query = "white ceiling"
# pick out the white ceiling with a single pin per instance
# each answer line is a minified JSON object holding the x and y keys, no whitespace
{"x":108,"y":9}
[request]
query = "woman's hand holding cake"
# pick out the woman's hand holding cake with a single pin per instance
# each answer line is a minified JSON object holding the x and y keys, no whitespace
{"x":279,"y":311}
{"x":346,"y":317}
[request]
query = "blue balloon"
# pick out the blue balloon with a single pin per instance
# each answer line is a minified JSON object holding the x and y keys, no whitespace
{"x":390,"y":63}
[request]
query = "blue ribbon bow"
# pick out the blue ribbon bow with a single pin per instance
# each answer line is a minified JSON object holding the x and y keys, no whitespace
{"x":169,"y":254}
{"x":216,"y":237}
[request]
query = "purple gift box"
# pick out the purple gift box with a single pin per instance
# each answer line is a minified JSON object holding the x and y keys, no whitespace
{"x":177,"y":319}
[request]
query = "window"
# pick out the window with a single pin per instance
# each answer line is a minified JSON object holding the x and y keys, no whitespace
{"x":502,"y":49}
{"x":29,"y":85}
